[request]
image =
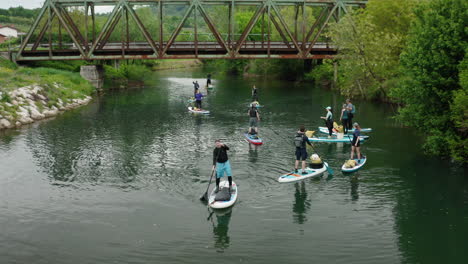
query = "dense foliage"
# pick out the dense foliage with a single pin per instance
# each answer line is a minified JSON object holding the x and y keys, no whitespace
{"x":431,"y":93}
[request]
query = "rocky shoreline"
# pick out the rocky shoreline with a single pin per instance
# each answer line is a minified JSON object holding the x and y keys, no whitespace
{"x":30,"y":103}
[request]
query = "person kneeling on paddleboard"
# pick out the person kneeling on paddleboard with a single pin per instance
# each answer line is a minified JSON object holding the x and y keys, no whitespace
{"x":254,"y":118}
{"x":221,"y":163}
{"x":301,"y":152}
{"x":356,"y":142}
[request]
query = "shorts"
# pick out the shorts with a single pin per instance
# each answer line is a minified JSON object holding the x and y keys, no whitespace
{"x":223,"y":167}
{"x":301,"y":153}
{"x":253,"y":122}
{"x":354,"y":142}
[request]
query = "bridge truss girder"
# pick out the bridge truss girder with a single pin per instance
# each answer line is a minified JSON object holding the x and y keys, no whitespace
{"x":77,"y":18}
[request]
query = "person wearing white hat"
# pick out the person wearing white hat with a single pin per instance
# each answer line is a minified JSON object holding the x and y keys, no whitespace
{"x":329,"y":120}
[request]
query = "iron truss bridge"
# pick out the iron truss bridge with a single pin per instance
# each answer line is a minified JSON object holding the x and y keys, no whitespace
{"x":183,"y":29}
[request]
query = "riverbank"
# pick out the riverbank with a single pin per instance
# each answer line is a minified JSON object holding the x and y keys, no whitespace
{"x":30,"y":94}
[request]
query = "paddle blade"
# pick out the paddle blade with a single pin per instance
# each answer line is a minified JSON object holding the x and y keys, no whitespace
{"x":204,"y":197}
{"x":330,"y":171}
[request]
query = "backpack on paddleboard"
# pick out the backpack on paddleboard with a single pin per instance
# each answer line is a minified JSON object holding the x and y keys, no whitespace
{"x":299,"y":140}
{"x":223,"y":195}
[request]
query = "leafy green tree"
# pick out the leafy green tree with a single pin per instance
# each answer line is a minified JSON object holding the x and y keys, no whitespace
{"x":370,"y":42}
{"x":431,"y":87}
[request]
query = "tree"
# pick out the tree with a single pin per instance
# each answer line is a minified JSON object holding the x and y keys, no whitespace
{"x":370,"y":42}
{"x":431,"y":66}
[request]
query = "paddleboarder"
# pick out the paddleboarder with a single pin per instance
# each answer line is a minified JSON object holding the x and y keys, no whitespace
{"x":196,"y":86}
{"x":198,"y":99}
{"x":344,"y":118}
{"x":355,"y":143}
{"x":221,"y":163}
{"x":301,"y":152}
{"x":329,"y":120}
{"x":208,"y":80}
{"x":254,"y":93}
{"x":254,"y":118}
{"x":351,"y":111}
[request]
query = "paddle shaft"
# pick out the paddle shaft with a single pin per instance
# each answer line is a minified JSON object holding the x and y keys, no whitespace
{"x":209,"y":183}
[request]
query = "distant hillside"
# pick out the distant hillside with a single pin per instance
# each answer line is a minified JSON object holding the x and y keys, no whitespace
{"x":19,"y":17}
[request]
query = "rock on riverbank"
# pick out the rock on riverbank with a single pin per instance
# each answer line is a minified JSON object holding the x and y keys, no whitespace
{"x":30,"y":103}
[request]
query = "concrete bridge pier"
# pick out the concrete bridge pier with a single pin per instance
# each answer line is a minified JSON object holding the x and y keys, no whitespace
{"x":94,"y":74}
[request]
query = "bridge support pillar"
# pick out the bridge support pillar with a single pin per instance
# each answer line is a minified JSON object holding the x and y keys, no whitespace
{"x":94,"y":74}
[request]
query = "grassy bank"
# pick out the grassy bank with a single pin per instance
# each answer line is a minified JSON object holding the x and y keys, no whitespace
{"x":57,"y":84}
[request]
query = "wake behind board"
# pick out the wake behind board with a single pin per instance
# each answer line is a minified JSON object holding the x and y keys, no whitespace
{"x":359,"y":165}
{"x":345,"y":139}
{"x":198,"y":111}
{"x":253,"y":139}
{"x":334,"y":131}
{"x":293,"y":176}
{"x":223,"y":204}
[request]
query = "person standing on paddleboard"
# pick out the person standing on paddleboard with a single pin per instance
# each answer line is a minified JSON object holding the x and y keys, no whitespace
{"x":329,"y":120}
{"x":221,"y":163}
{"x":355,"y":143}
{"x":196,"y":86}
{"x":198,"y":99}
{"x":208,"y":80}
{"x":351,"y":111}
{"x":344,"y":118}
{"x":254,"y":93}
{"x":301,"y":152}
{"x":254,"y":118}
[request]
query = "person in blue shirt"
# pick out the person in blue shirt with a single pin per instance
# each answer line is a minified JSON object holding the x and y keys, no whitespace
{"x":355,"y":143}
{"x":198,"y":99}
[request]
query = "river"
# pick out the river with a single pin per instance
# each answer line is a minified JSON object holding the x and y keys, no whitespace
{"x":119,"y":181}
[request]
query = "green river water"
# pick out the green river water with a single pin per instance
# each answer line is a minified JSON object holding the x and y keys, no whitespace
{"x":119,"y":181}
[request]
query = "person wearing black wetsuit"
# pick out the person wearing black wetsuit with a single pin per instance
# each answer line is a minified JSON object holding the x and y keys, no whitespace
{"x":208,"y":79}
{"x":221,"y":163}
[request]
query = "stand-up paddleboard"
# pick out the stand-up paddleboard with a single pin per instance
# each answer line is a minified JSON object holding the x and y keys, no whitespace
{"x":257,"y":105}
{"x":293,"y":176}
{"x":253,"y":139}
{"x":345,"y":139}
{"x":200,"y":111}
{"x":223,"y":204}
{"x":350,"y":131}
{"x":359,"y":165}
{"x":210,"y":86}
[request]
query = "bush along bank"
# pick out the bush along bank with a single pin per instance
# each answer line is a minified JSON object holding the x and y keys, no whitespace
{"x":43,"y":93}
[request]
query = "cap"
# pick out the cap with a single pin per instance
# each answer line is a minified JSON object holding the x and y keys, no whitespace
{"x":328,"y":108}
{"x":355,"y":124}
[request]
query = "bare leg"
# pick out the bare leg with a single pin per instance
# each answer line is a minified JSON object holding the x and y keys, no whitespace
{"x":296,"y":165}
{"x":352,"y":152}
{"x":256,"y":130}
{"x":303,"y":165}
{"x":358,"y":151}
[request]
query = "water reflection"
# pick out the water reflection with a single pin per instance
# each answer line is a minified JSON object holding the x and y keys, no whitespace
{"x":221,"y":228}
{"x":301,"y":203}
{"x":253,"y":154}
{"x":354,"y":181}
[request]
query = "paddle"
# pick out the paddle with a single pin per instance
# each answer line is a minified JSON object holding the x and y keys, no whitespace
{"x":205,"y":195}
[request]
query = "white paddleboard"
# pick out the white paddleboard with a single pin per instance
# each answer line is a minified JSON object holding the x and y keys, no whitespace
{"x":293,"y":176}
{"x":200,"y":111}
{"x":223,"y":204}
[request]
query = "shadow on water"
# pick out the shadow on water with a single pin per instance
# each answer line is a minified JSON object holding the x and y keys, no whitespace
{"x":301,"y":203}
{"x":253,"y":154}
{"x":354,"y":181}
{"x":221,"y":228}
